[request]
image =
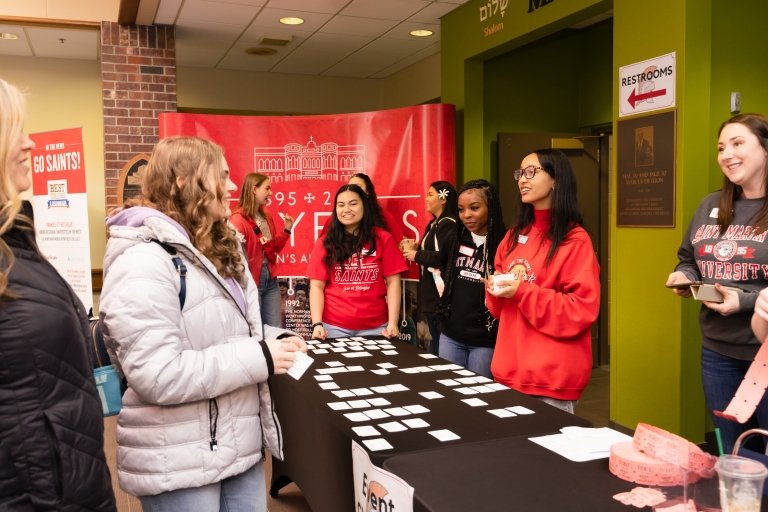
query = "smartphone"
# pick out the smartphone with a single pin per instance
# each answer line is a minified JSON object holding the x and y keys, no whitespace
{"x":684,"y":285}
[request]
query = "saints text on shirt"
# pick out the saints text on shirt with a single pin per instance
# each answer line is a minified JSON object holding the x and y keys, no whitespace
{"x":356,"y":274}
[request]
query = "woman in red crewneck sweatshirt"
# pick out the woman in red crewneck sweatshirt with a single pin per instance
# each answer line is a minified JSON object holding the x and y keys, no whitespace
{"x":547,"y":305}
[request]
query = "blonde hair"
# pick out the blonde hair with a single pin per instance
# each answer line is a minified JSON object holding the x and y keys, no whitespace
{"x":12,"y":109}
{"x":177,"y":182}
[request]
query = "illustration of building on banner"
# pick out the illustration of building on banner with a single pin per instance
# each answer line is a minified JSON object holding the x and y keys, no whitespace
{"x":294,"y":162}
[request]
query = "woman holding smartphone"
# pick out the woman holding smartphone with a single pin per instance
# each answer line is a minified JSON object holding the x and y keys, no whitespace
{"x":725,"y":247}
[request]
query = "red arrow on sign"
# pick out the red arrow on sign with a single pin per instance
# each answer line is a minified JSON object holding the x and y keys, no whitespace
{"x":634,"y":98}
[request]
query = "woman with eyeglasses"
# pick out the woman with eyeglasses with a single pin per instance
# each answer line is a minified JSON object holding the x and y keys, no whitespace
{"x":432,"y":254}
{"x":354,"y":272}
{"x":468,"y":330}
{"x":263,"y":240}
{"x":546,"y":289}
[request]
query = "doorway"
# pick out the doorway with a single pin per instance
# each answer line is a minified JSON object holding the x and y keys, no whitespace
{"x":589,"y":157}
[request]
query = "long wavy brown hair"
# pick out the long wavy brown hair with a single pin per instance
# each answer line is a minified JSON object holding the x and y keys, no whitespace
{"x":183,"y":178}
{"x":12,"y":107}
{"x":247,"y":201}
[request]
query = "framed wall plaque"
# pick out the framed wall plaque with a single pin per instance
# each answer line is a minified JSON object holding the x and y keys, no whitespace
{"x":645,"y":165}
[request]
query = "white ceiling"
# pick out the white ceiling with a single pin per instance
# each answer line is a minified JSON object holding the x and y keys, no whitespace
{"x":343,"y":38}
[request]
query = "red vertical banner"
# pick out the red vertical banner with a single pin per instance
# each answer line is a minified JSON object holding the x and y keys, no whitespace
{"x":308,"y":157}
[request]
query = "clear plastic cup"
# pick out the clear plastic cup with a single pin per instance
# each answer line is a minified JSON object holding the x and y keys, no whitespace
{"x":741,"y":483}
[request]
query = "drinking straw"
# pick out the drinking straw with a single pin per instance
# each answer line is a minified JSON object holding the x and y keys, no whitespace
{"x":719,"y":441}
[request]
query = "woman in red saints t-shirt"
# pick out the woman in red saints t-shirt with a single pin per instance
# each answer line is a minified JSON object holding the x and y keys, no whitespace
{"x":354,"y":272}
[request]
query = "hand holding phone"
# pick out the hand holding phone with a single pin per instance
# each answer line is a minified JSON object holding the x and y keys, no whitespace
{"x":680,"y":286}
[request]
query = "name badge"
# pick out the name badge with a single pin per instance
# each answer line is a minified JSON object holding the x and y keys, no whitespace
{"x":521,"y":239}
{"x":466,"y":251}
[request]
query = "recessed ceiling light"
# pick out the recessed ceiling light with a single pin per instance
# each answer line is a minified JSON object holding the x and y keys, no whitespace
{"x":8,"y":35}
{"x":261,"y":51}
{"x":290,"y":20}
{"x":421,"y":33}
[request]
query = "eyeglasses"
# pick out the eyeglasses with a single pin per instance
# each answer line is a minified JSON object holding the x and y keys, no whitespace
{"x":529,"y":172}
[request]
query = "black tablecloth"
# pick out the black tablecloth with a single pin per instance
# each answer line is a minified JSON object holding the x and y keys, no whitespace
{"x":318,"y":439}
{"x":516,"y":474}
{"x":506,"y":475}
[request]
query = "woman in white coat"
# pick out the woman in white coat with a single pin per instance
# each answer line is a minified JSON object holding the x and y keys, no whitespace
{"x":197,"y":404}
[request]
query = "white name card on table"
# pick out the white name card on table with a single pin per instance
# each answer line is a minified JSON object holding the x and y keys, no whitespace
{"x":376,"y":489}
{"x":300,"y":365}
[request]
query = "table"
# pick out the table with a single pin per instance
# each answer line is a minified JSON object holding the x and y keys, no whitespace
{"x":517,"y":474}
{"x":317,"y":439}
{"x":507,"y":474}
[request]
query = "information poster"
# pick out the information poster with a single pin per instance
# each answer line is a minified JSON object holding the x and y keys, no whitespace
{"x":376,"y":489}
{"x":61,"y":207}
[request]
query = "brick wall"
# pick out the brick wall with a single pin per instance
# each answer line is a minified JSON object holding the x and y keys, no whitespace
{"x":138,"y":76}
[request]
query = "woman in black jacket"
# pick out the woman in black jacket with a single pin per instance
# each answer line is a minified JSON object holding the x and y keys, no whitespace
{"x":51,"y":424}
{"x":432,"y":255}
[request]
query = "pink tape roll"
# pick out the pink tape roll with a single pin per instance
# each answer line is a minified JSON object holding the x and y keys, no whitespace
{"x":629,"y":464}
{"x":668,"y":447}
{"x":659,"y":458}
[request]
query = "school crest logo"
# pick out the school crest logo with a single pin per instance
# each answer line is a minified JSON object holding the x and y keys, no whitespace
{"x":725,"y":250}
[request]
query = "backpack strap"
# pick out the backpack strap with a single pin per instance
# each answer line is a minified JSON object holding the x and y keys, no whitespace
{"x":437,"y":248}
{"x":181,"y":268}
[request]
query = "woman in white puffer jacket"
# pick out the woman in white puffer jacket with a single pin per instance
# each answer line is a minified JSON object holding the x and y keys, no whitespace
{"x":197,"y":405}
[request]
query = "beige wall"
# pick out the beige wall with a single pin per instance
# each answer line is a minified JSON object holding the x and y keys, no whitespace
{"x":67,"y":94}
